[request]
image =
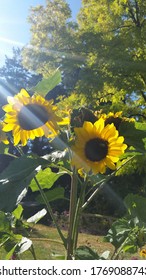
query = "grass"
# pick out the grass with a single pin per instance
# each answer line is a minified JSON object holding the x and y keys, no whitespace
{"x":47,"y":244}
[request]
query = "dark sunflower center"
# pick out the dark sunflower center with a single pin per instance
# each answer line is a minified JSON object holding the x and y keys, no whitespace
{"x":96,"y":149}
{"x":32,"y":116}
{"x":115,"y":121}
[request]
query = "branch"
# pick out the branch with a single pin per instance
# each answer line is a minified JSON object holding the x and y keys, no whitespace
{"x":143,"y":95}
{"x":133,"y":16}
{"x":137,"y":13}
{"x":139,"y":115}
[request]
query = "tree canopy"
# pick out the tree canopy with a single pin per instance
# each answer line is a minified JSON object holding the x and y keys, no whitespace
{"x":102,"y":55}
{"x":114,"y":35}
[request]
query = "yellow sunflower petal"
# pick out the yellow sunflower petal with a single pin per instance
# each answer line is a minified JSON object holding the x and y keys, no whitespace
{"x":114,"y":158}
{"x":64,"y":121}
{"x":81,"y":133}
{"x":38,"y":132}
{"x":102,"y":167}
{"x":99,"y":125}
{"x":16,"y":138}
{"x":5,"y":141}
{"x":8,"y":127}
{"x":23,"y":92}
{"x":110,"y":132}
{"x":7,"y":108}
{"x":110,"y":163}
{"x":88,"y":126}
{"x":23,"y":137}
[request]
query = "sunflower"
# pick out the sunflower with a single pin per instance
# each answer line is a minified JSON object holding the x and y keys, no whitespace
{"x":97,"y":146}
{"x":116,"y":118}
{"x":3,"y":136}
{"x":143,"y":253}
{"x":29,"y":117}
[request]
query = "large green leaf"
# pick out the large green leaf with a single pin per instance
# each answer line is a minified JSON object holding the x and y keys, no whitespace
{"x":134,"y":134}
{"x":119,"y":231}
{"x":48,"y":84}
{"x":9,"y":194}
{"x":20,"y":168}
{"x":51,"y":195}
{"x":46,"y":179}
{"x":14,"y":179}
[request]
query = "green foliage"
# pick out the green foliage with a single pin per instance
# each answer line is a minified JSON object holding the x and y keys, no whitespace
{"x":86,"y":253}
{"x":9,"y":240}
{"x":52,"y":41}
{"x":73,"y":101}
{"x":43,"y":87}
{"x":21,"y":168}
{"x":51,"y":195}
{"x":46,"y":179}
{"x":134,"y":134}
{"x":136,"y":207}
{"x":15,"y":179}
{"x":104,"y":58}
{"x":18,"y":212}
{"x":129,"y":233}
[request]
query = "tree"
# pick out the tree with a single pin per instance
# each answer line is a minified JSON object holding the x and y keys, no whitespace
{"x":114,"y":36}
{"x":53,"y":41}
{"x":104,"y":52}
{"x":16,"y":75}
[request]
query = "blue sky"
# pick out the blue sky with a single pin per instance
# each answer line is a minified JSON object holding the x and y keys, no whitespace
{"x":14,"y":29}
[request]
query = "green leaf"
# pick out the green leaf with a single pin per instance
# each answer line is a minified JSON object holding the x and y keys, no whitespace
{"x":118,"y":232}
{"x":38,"y":216}
{"x":86,"y":253}
{"x":46,"y":179}
{"x":10,"y":253}
{"x":136,"y":206}
{"x":130,"y":248}
{"x":15,"y":179}
{"x":134,"y":134}
{"x":9,"y":194}
{"x":20,"y":168}
{"x":4,"y":223}
{"x":48,"y":84}
{"x":18,"y":212}
{"x":53,"y":194}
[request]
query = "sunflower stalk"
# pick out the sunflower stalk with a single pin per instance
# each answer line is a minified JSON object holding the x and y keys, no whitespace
{"x":78,"y":214}
{"x":72,"y":210}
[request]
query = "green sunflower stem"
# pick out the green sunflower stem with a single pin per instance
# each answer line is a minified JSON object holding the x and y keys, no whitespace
{"x":49,"y":209}
{"x":78,"y":214}
{"x":75,"y":214}
{"x":72,"y":210}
